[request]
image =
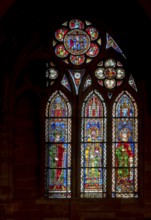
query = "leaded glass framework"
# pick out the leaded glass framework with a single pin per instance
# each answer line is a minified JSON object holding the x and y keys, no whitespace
{"x":93,"y":147}
{"x":125,"y":147}
{"x":92,"y":93}
{"x":58,"y":146}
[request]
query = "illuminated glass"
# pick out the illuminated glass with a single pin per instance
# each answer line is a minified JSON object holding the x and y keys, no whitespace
{"x":93,"y":147}
{"x":125,"y":147}
{"x":58,"y":146}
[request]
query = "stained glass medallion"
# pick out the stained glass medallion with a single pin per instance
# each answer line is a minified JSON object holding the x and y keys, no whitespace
{"x":77,"y":60}
{"x":120,"y":73}
{"x":76,"y":24}
{"x":51,"y":73}
{"x":99,"y":73}
{"x":110,"y":63}
{"x":110,"y":84}
{"x":93,"y":32}
{"x":77,"y":42}
{"x":58,"y":146}
{"x":125,"y":147}
{"x":60,"y":51}
{"x":110,"y":73}
{"x":93,"y":50}
{"x":59,"y":34}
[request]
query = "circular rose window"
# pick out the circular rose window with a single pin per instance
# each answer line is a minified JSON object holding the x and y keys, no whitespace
{"x":77,"y":42}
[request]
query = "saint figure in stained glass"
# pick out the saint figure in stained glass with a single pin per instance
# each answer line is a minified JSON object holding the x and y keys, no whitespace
{"x":124,"y":160}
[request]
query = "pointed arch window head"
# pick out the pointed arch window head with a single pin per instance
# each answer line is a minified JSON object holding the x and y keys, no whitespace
{"x":91,"y":94}
{"x":58,"y":146}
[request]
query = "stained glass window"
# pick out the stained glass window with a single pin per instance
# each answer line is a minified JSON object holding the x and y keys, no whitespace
{"x":96,"y":82}
{"x":58,"y":146}
{"x":93,"y":147}
{"x":125,"y":147}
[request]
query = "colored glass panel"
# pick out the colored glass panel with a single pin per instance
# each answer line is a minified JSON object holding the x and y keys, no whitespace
{"x":93,"y":32}
{"x":119,"y":63}
{"x":119,"y":82}
{"x":93,"y":147}
{"x":93,"y":130}
{"x":59,"y":34}
{"x":100,"y":63}
{"x":120,"y":73}
{"x":88,"y":23}
{"x":110,"y":95}
{"x":100,"y":82}
{"x":111,"y":43}
{"x":88,"y":82}
{"x":54,"y":43}
{"x":66,"y":61}
{"x":93,"y":51}
{"x":110,"y":73}
{"x":132,"y":83}
{"x":60,"y":51}
{"x":93,"y":107}
{"x":65,"y":82}
{"x":88,"y":60}
{"x":125,"y":107}
{"x":99,"y":73}
{"x":58,"y":146}
{"x":77,"y":42}
{"x":109,"y":63}
{"x":99,"y":41}
{"x":65,"y":23}
{"x":77,"y":60}
{"x":125,"y":147}
{"x":76,"y":24}
{"x":53,"y":73}
{"x":110,"y":83}
{"x":76,"y":77}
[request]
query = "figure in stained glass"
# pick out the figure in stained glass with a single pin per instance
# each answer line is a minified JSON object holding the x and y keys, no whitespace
{"x":124,"y":160}
{"x":125,"y":107}
{"x":93,"y":162}
{"x":58,"y":147}
{"x":58,"y":107}
{"x":93,"y":32}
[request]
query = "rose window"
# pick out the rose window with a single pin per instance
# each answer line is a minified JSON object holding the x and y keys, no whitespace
{"x":77,"y":42}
